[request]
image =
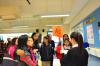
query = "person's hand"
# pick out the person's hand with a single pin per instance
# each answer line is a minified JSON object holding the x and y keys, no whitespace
{"x":20,"y":52}
{"x":35,"y":50}
{"x":61,"y":51}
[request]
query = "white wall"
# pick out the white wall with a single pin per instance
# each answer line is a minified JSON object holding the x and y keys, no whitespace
{"x":66,"y":28}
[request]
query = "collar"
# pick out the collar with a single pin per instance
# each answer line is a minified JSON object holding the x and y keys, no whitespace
{"x":76,"y":45}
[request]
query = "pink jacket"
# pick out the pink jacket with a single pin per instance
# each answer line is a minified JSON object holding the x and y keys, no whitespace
{"x":11,"y":51}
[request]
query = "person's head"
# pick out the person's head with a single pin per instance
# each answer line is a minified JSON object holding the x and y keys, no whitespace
{"x":45,"y":39}
{"x":8,"y":39}
{"x":34,"y":36}
{"x":1,"y":42}
{"x":65,"y":36}
{"x":22,"y":41}
{"x":49,"y":37}
{"x":29,"y":42}
{"x":14,"y":41}
{"x":76,"y":38}
{"x":66,"y":42}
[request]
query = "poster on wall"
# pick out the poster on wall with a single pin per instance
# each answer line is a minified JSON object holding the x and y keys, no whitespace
{"x":99,"y":28}
{"x":90,"y":36}
{"x":79,"y":28}
{"x":99,"y":34}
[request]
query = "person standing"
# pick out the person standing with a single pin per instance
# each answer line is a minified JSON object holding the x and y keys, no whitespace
{"x":46,"y":52}
{"x":77,"y":56}
{"x":13,"y":47}
{"x":61,"y":50}
{"x":53,"y":47}
{"x":67,"y":44}
{"x":1,"y":52}
{"x":35,"y":37}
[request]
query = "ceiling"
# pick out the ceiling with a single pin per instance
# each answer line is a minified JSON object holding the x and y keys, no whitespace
{"x":16,"y":13}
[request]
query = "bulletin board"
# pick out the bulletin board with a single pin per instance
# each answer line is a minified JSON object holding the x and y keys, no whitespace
{"x":91,"y":28}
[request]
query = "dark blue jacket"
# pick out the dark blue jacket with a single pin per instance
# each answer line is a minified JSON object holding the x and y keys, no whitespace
{"x":46,"y":52}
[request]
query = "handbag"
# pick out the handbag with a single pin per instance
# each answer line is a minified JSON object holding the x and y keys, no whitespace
{"x":56,"y":62}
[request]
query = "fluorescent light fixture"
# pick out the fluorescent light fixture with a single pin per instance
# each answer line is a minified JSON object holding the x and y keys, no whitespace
{"x":48,"y":16}
{"x":21,"y":27}
{"x":54,"y":25}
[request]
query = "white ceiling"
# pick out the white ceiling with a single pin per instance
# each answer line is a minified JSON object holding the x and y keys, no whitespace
{"x":20,"y":13}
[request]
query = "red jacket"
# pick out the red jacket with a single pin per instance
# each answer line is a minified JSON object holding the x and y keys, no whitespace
{"x":58,"y":54}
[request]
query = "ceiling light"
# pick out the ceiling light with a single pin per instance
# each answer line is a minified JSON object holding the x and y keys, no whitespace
{"x":48,"y":16}
{"x":21,"y":27}
{"x":8,"y":17}
{"x":54,"y":25}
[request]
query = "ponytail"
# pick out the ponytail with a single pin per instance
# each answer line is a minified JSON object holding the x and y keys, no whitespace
{"x":79,"y":39}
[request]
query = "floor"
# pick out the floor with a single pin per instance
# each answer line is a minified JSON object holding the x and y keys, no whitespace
{"x":93,"y":61}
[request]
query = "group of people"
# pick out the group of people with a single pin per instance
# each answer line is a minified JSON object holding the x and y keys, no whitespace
{"x":27,"y":50}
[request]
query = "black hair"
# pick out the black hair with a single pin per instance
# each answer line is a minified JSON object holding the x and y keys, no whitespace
{"x":66,"y":39}
{"x":1,"y":45}
{"x":14,"y":41}
{"x":22,"y":41}
{"x":1,"y":40}
{"x":34,"y":33}
{"x":65,"y":35}
{"x":78,"y":38}
{"x":46,"y":37}
{"x":70,"y":44}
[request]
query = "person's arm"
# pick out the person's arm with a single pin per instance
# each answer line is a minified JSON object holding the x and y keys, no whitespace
{"x":25,"y":58}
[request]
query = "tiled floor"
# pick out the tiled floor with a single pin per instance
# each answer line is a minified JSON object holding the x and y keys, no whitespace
{"x":93,"y":61}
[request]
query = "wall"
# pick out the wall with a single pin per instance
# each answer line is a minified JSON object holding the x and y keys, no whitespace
{"x":91,"y":21}
{"x":66,"y":28}
{"x":88,"y":8}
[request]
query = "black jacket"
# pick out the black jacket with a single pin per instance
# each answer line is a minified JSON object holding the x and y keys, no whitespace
{"x":74,"y":57}
{"x":46,"y":52}
{"x":9,"y":62}
{"x":1,"y":54}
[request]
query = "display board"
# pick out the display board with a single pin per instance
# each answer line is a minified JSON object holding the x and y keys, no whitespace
{"x":90,"y":35}
{"x":91,"y":28}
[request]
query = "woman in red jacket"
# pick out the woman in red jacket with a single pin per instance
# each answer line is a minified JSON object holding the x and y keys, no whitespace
{"x":62,"y":49}
{"x":58,"y":51}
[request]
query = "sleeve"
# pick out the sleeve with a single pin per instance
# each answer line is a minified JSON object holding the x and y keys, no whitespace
{"x":27,"y":60}
{"x":41,"y":50}
{"x":53,"y":44}
{"x":58,"y":49}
